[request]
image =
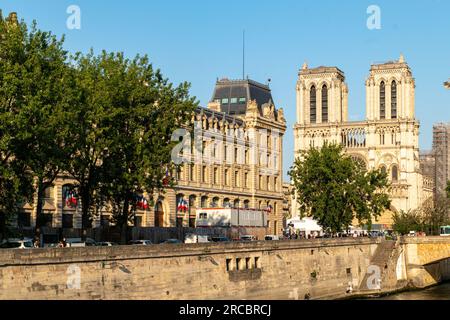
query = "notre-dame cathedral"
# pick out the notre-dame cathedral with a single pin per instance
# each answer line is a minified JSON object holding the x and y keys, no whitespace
{"x":388,"y":139}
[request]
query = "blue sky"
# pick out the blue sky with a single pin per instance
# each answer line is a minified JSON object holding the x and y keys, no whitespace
{"x":199,"y":41}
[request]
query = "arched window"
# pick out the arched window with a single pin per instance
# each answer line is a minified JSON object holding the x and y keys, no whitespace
{"x":215,"y":202}
{"x":236,"y":203}
{"x":383,"y":169}
{"x":382,"y":100}
{"x":192,"y":199}
{"x":324,"y":103}
{"x":204,"y":202}
{"x":394,"y":100}
{"x":312,"y":105}
{"x":394,"y":173}
{"x":226,"y":203}
{"x":246,"y":204}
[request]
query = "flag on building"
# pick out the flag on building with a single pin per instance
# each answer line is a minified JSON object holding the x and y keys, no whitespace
{"x":182,"y":205}
{"x":166,"y":178}
{"x":141,"y":202}
{"x":70,"y":198}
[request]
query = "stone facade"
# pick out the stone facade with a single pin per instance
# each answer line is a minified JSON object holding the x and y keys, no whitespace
{"x":389,"y":137}
{"x":238,"y":162}
{"x":318,"y":269}
{"x":258,"y":270}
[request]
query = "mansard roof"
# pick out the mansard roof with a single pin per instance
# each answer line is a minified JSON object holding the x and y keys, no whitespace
{"x":221,"y":116}
{"x":233,"y":95}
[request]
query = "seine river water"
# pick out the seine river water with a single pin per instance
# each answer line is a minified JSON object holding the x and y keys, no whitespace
{"x":440,"y":292}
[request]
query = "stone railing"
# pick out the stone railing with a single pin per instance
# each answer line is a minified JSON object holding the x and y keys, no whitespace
{"x":353,"y":135}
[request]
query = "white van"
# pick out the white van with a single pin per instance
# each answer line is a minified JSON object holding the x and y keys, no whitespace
{"x":196,"y":238}
{"x":271,"y":238}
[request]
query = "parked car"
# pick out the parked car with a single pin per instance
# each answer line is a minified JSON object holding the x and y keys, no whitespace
{"x":17,"y":244}
{"x":247,"y":237}
{"x":51,"y":245}
{"x":106,"y":244}
{"x":375,"y":234}
{"x":271,"y":238}
{"x":219,"y":239}
{"x":170,"y":241}
{"x":140,"y":242}
{"x":78,"y":242}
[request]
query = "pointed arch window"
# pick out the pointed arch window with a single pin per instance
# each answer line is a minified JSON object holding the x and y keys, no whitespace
{"x":382,"y":100}
{"x":394,"y":100}
{"x":312,"y":105}
{"x":324,"y":103}
{"x":394,"y":173}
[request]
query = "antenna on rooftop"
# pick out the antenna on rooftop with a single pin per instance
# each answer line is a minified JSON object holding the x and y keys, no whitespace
{"x":243,"y":54}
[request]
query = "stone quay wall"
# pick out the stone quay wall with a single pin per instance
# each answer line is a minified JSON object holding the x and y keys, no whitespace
{"x":315,"y":269}
{"x":427,"y":260}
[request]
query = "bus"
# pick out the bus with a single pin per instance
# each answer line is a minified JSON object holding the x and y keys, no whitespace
{"x":445,"y":231}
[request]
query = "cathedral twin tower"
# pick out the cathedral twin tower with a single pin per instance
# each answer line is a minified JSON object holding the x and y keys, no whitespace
{"x":389,"y":137}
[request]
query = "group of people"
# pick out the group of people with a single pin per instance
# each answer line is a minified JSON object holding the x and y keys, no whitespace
{"x":37,"y":243}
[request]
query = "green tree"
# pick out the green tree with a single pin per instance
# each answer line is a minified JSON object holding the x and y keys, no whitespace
{"x":41,"y":141}
{"x":91,"y":133}
{"x":125,"y":113}
{"x":334,"y":189}
{"x":406,"y":221}
{"x":32,"y":64}
{"x":145,"y":110}
{"x":434,"y":214}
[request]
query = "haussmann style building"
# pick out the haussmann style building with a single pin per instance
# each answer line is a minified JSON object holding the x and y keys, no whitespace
{"x":236,"y":161}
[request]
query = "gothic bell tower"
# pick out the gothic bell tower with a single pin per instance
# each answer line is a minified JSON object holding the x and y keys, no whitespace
{"x":390,"y":91}
{"x":322,"y":96}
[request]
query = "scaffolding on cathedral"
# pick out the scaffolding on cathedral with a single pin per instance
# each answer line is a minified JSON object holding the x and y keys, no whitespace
{"x":441,"y":150}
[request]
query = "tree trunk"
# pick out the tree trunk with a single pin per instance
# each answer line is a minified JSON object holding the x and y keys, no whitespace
{"x":2,"y":225}
{"x":39,"y":206}
{"x":124,"y":220}
{"x":85,"y":205}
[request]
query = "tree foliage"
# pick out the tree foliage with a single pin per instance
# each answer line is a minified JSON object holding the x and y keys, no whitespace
{"x":334,"y":189}
{"x":125,"y":115}
{"x":103,"y":119}
{"x":429,"y":217}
